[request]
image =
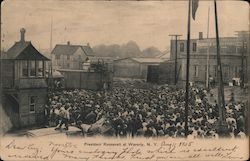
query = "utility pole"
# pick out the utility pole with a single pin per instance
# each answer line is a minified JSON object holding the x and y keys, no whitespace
{"x":51,"y":83}
{"x":187,"y":70}
{"x":222,"y":126}
{"x":175,"y":63}
{"x":51,"y":28}
{"x":207,"y":75}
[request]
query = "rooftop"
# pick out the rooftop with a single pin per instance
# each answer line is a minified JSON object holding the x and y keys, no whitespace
{"x":144,"y":60}
{"x":148,"y":60}
{"x":24,"y":51}
{"x":67,"y":49}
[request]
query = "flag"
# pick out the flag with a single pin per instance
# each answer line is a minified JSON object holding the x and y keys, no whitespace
{"x":194,"y":7}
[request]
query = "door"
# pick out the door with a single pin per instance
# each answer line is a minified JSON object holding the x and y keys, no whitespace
{"x":153,"y":74}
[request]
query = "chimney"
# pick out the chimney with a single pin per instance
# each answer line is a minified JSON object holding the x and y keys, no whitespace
{"x":22,"y":31}
{"x":68,"y":43}
{"x":200,"y":35}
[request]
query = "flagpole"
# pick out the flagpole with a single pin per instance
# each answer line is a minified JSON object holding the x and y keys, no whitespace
{"x":207,"y":80}
{"x":51,"y":66}
{"x":187,"y":70}
{"x":1,"y":40}
{"x":222,"y":128}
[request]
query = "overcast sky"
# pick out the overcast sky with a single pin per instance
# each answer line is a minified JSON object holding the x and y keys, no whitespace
{"x":106,"y":22}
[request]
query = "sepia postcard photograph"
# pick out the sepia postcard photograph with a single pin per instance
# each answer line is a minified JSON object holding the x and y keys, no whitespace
{"x":153,"y":80}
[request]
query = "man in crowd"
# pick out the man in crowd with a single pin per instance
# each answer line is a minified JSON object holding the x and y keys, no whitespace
{"x":64,"y":117}
{"x":146,"y":112}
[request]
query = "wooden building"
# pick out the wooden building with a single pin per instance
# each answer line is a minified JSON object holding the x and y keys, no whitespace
{"x":88,"y":80}
{"x":135,"y":68}
{"x":24,"y":84}
{"x":163,"y":73}
{"x":68,"y":56}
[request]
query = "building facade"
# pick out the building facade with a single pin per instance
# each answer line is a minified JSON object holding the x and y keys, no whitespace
{"x":136,"y":68}
{"x":70,"y":56}
{"x":24,"y":84}
{"x":203,"y":55}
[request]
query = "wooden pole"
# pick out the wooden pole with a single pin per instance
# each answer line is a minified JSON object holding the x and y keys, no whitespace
{"x":207,"y":75}
{"x":51,"y":82}
{"x":175,"y":64}
{"x":1,"y":63}
{"x":187,"y":70}
{"x":221,"y":99}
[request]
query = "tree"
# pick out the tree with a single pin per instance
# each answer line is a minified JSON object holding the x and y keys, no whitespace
{"x":151,"y":52}
{"x":130,"y":49}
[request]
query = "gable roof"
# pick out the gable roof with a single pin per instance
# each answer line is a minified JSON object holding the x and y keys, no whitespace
{"x":88,"y":50}
{"x":127,"y":58}
{"x":16,"y":49}
{"x":143,"y":60}
{"x":100,"y":58}
{"x":148,"y":60}
{"x":65,"y":49}
{"x":61,"y":49}
{"x":163,"y":55}
{"x":24,"y":51}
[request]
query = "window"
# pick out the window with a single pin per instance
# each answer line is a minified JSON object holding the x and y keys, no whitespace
{"x":182,"y":47}
{"x":194,"y":46}
{"x":32,"y":66}
{"x":238,"y":49}
{"x":231,"y":49}
{"x":196,"y":72}
{"x":57,"y":56}
{"x":32,"y":103}
{"x":24,"y":68}
{"x":223,"y":49}
{"x":68,"y":57}
{"x":40,"y":68}
{"x":68,"y":65}
{"x":57,"y":63}
{"x":226,"y":71}
{"x":244,"y":47}
{"x":236,"y":72}
{"x":202,"y":50}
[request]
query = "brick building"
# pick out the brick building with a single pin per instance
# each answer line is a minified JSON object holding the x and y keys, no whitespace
{"x":24,"y":84}
{"x":233,"y":58}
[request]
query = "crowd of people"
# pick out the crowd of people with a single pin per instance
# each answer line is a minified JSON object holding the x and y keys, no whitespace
{"x":149,"y":112}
